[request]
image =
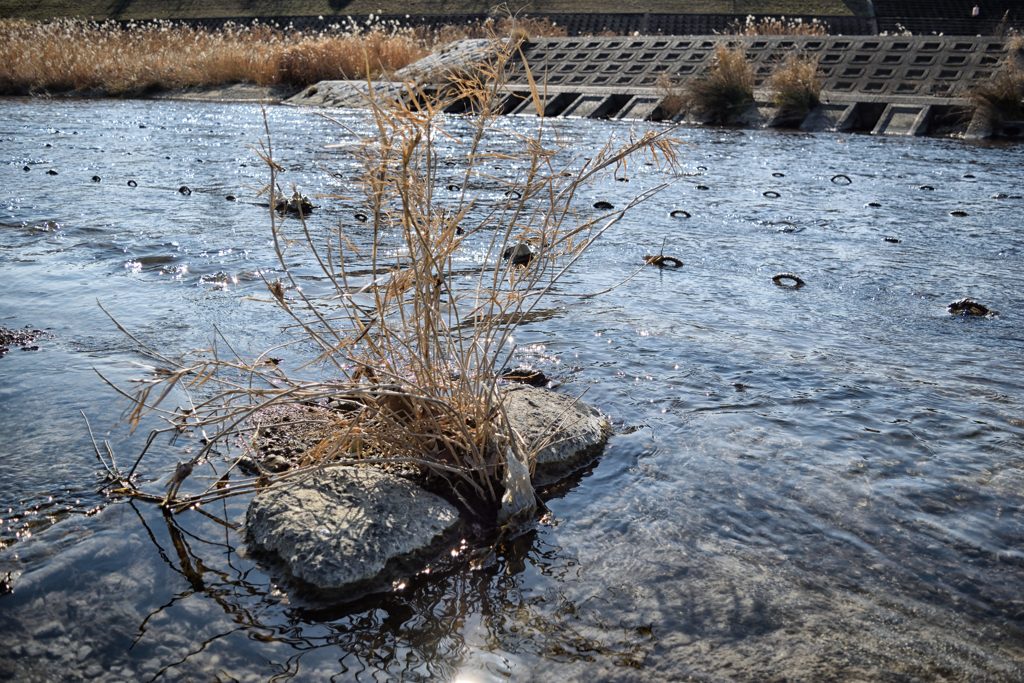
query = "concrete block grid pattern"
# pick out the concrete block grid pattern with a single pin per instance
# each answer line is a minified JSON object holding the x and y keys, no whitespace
{"x":886,"y":67}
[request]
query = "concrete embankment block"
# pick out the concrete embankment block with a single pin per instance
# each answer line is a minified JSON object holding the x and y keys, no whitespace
{"x":589,"y":107}
{"x":888,"y":85}
{"x":640,"y":107}
{"x":903,"y":119}
{"x":824,"y":117}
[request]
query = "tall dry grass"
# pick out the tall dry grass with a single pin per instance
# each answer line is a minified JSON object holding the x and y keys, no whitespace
{"x":726,"y":91}
{"x":414,"y":329}
{"x":777,"y":26}
{"x":673,"y":97}
{"x":1015,"y":47}
{"x":108,"y":58}
{"x":367,"y":55}
{"x":1001,"y":97}
{"x":796,"y":85}
{"x":72,"y":55}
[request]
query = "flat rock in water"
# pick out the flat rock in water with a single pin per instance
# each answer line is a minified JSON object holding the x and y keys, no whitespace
{"x":348,"y":526}
{"x":567,"y":430}
{"x":352,"y":94}
{"x":236,"y":92}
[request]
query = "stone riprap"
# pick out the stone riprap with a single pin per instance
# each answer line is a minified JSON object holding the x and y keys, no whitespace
{"x":565,"y":431}
{"x":348,"y":526}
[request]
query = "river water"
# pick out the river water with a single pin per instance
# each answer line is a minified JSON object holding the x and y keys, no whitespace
{"x":815,"y":484}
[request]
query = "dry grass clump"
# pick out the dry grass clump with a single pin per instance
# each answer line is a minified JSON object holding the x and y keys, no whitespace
{"x":726,"y":91}
{"x":368,"y":55}
{"x":413,"y":330}
{"x":1015,"y":46}
{"x":71,"y":55}
{"x":1001,"y":98}
{"x":899,"y":30}
{"x":777,"y":26}
{"x":796,"y":85}
{"x":673,"y":97}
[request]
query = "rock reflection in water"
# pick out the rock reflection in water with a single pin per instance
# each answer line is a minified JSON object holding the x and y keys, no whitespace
{"x":195,"y":606}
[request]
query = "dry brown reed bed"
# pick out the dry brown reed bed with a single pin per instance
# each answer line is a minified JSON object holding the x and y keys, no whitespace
{"x":1001,"y":98}
{"x":108,"y":58}
{"x":411,"y":346}
{"x":796,"y":85}
{"x":114,"y":59}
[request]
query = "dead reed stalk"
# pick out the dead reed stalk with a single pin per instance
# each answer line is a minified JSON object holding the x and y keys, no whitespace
{"x":412,"y":342}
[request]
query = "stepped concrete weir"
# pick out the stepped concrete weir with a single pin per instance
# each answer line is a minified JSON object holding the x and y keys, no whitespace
{"x":884,"y":85}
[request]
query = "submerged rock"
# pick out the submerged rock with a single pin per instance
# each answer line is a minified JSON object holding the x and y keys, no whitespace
{"x":525,"y":375}
{"x":969,"y":307}
{"x":298,"y":205}
{"x":519,"y":254}
{"x":662,"y":261}
{"x":566,"y":431}
{"x":348,"y":527}
{"x":23,"y":338}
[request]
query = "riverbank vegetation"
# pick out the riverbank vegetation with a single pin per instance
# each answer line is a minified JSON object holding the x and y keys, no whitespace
{"x":796,"y":85}
{"x":411,"y":328}
{"x":726,"y":91}
{"x":234,"y":9}
{"x":109,"y":58}
{"x":1001,"y":97}
{"x":778,"y":26}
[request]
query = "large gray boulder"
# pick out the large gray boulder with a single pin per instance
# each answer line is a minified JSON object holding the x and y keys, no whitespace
{"x":431,"y":70}
{"x":458,"y":56}
{"x":349,"y":526}
{"x":565,"y":432}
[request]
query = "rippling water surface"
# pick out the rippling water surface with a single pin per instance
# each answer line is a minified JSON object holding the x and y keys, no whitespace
{"x":813,"y":484}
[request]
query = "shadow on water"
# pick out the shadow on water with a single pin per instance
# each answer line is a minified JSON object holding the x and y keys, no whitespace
{"x":425,"y":630}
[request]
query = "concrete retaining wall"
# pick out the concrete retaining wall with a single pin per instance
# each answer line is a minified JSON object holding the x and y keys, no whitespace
{"x":886,"y":85}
